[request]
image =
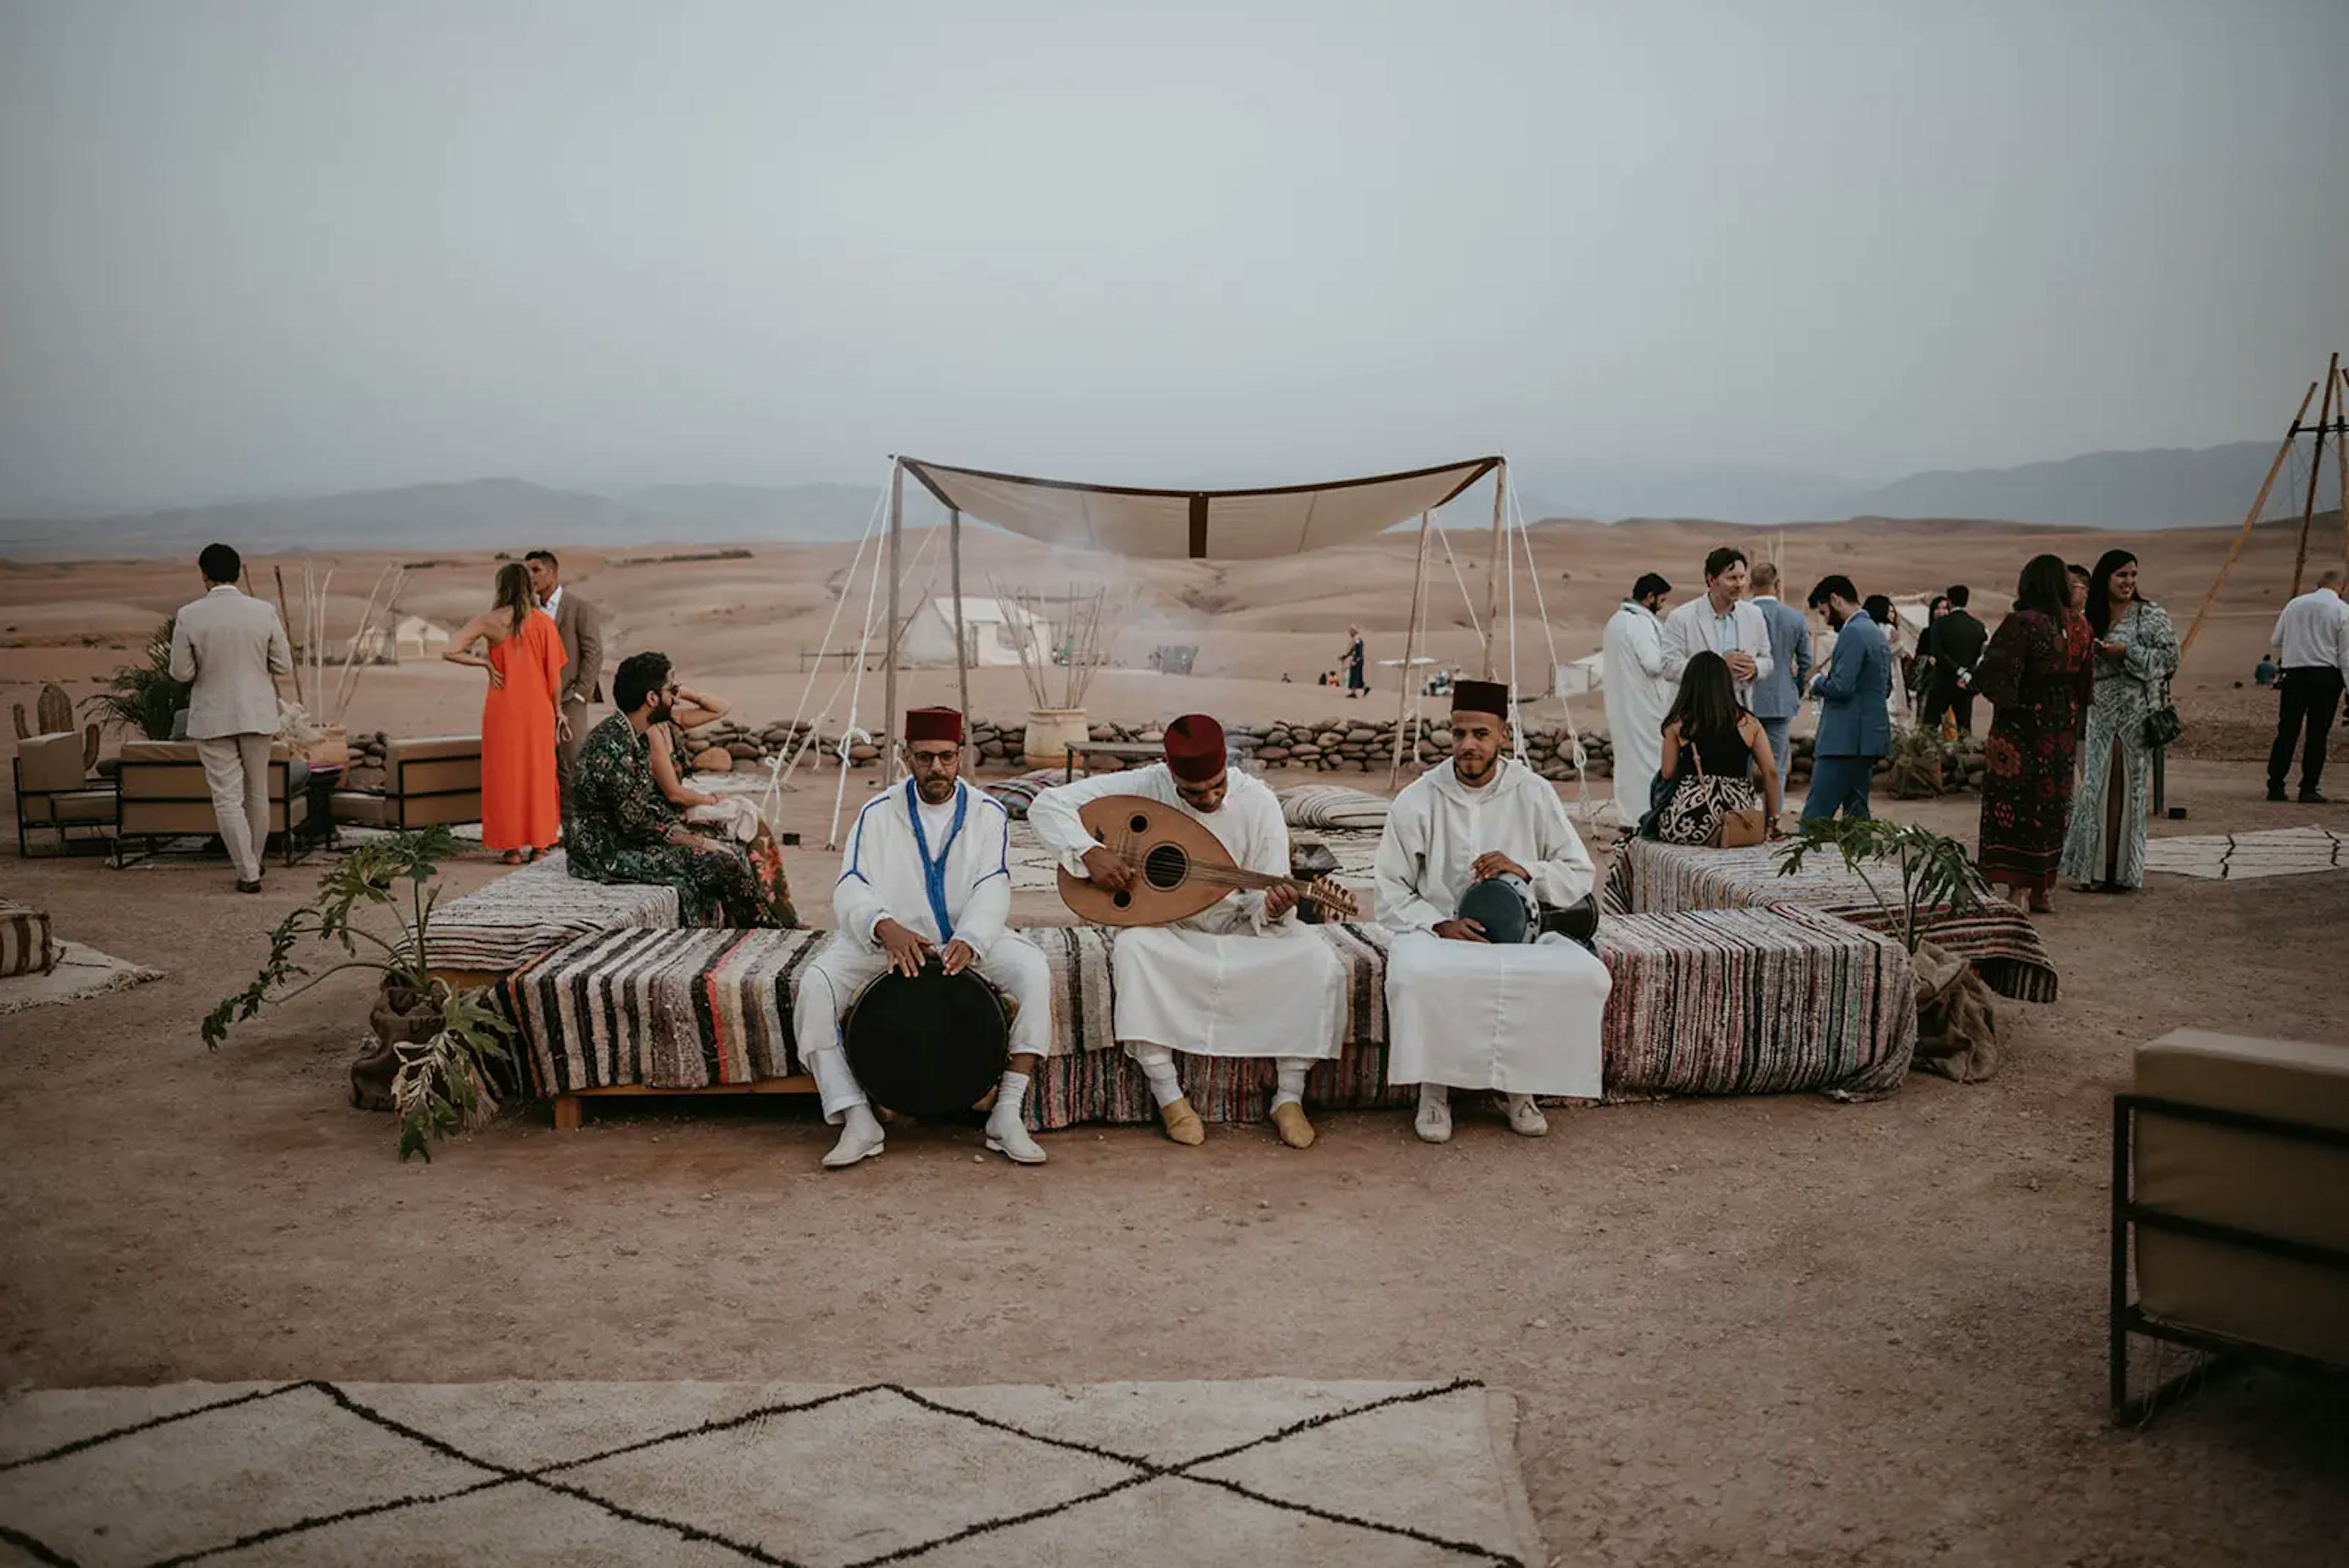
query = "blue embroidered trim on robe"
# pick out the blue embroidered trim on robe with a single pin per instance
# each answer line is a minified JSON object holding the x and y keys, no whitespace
{"x":934,"y":872}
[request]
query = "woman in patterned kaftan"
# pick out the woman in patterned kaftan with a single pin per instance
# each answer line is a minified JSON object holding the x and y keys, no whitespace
{"x":2136,"y":653}
{"x":623,"y":829}
{"x":2030,"y":673}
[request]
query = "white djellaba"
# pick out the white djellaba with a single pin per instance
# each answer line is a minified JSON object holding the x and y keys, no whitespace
{"x":1638,"y":695}
{"x":1522,"y":1020}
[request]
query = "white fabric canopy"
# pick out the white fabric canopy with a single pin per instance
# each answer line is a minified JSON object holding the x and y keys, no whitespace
{"x":1226,"y":524}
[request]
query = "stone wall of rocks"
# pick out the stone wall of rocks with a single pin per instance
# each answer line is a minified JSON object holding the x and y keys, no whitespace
{"x":1360,"y":746}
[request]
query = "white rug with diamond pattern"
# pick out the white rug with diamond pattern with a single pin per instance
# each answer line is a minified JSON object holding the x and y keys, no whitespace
{"x":707,"y":1474}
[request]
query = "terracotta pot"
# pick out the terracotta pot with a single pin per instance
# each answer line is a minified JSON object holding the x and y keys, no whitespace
{"x":398,"y":1019}
{"x":1052,"y":732}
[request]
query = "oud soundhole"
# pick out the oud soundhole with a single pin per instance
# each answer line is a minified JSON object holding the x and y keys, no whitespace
{"x":1166,"y":867}
{"x":1137,"y":823}
{"x":1121,"y":898}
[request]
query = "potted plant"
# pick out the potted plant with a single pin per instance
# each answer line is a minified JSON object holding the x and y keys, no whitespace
{"x":1956,"y":1031}
{"x":144,"y":698}
{"x":435,"y":1047}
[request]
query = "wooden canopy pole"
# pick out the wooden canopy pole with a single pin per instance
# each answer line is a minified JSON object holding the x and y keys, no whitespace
{"x":2250,"y":520}
{"x":889,"y":683}
{"x":2315,"y":469}
{"x":1493,"y":577}
{"x":2341,"y":464}
{"x":962,"y":655}
{"x":1408,"y":684}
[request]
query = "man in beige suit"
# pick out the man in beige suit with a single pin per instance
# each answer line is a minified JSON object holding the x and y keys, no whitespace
{"x":232,"y":647}
{"x":581,"y":626}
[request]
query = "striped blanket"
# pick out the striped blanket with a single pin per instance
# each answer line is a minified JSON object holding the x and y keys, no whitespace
{"x":1998,"y":940}
{"x":1333,"y":806}
{"x":1711,"y":1002}
{"x":529,"y":913}
{"x":687,"y":1009}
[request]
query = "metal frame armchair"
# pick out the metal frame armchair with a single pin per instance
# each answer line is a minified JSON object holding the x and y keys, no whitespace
{"x":2230,"y":1163}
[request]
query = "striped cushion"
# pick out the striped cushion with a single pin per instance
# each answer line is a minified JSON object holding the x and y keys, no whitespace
{"x":26,"y":946}
{"x":1998,"y":940}
{"x":527,"y":914}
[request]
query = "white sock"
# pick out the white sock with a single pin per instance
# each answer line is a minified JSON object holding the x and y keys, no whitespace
{"x":1290,"y":1087}
{"x":1434,"y":1095}
{"x":1011,"y":1098}
{"x":1165,"y":1088}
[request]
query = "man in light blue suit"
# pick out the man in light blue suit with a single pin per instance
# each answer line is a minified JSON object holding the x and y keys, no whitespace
{"x":1855,"y":725}
{"x":1778,"y":696}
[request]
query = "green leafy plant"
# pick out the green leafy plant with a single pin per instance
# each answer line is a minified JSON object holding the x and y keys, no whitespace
{"x":440,"y":1085}
{"x":143,"y":697}
{"x":1935,"y":870}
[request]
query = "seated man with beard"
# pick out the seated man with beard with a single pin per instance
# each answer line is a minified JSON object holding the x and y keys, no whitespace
{"x":623,"y":829}
{"x":1477,"y":996}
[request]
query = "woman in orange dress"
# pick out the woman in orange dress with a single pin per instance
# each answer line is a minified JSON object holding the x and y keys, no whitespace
{"x":521,"y":811}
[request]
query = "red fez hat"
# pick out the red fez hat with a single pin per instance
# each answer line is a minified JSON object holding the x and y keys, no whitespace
{"x":933,"y":724}
{"x":1195,"y":748}
{"x":1481,"y":697}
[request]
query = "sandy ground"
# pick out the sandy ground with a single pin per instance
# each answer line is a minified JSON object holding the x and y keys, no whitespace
{"x":1743,"y":1331}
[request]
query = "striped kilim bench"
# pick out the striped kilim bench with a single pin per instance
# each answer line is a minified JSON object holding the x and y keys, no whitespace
{"x":1996,"y":938}
{"x":528,"y":913}
{"x":1724,"y":1002}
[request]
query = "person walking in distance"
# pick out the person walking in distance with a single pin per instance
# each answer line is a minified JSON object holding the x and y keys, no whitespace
{"x":2313,"y":634}
{"x":1778,"y":696}
{"x":232,"y":647}
{"x":581,"y":627}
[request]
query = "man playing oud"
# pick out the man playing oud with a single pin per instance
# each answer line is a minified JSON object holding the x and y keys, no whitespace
{"x":1477,"y":996}
{"x":1241,"y":978}
{"x":926,"y":873}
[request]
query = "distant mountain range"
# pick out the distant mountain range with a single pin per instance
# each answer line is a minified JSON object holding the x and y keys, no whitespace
{"x":2165,"y":488}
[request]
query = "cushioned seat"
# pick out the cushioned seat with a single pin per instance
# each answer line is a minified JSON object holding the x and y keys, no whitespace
{"x":428,"y":780}
{"x":1719,"y":1001}
{"x":162,"y":793}
{"x":2259,"y":1179}
{"x":52,"y":792}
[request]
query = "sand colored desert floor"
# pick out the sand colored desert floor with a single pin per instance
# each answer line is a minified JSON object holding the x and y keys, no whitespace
{"x":1741,"y":1331}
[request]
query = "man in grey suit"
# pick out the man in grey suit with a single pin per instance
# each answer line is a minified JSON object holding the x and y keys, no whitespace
{"x":232,"y":647}
{"x":581,"y":627}
{"x":1778,"y":695}
{"x":1855,"y":725}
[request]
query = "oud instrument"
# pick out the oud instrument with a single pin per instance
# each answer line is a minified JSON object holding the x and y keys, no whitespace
{"x":1182,"y":868}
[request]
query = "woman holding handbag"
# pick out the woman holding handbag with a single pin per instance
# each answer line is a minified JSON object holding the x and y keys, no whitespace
{"x":1714,"y":754}
{"x":2135,"y":654}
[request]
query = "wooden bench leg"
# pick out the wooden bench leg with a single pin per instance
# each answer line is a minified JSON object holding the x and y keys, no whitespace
{"x":568,"y":1113}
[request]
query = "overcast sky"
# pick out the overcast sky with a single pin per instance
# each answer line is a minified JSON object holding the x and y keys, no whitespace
{"x":256,"y":249}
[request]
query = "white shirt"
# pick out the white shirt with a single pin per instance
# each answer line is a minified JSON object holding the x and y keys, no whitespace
{"x":883,"y":875}
{"x":2313,"y":632}
{"x":553,"y":599}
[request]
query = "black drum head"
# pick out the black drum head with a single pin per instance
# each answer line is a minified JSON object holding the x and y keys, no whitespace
{"x":929,"y":1047}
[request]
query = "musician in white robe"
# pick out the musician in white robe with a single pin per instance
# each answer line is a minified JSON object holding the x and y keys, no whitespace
{"x":1638,"y":694}
{"x":927,"y":873}
{"x":1477,"y":996}
{"x":1241,"y":978}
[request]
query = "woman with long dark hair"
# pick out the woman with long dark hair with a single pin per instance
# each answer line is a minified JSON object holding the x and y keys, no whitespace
{"x":522,"y":810}
{"x":1715,"y":753}
{"x":2031,"y":675}
{"x":2135,"y":654}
